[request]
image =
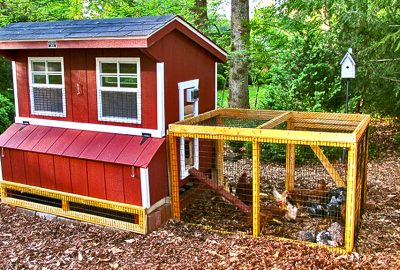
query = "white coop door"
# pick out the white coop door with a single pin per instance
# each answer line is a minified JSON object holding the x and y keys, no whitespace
{"x":188,"y":107}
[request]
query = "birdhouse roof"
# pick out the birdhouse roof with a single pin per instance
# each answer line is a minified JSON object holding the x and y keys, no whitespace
{"x":349,"y":56}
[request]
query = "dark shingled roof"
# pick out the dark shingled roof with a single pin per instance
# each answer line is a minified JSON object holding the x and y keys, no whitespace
{"x":75,"y":29}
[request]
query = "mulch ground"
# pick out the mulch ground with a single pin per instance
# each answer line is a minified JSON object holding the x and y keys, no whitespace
{"x":32,"y":243}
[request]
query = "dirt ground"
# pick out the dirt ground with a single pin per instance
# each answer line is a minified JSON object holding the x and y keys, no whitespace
{"x":32,"y":243}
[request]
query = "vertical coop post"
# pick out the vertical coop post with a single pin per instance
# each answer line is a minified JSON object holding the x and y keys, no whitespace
{"x":256,"y":188}
{"x":174,"y":177}
{"x":219,"y":148}
{"x":350,"y":198}
{"x":290,"y":161}
{"x":365,"y":169}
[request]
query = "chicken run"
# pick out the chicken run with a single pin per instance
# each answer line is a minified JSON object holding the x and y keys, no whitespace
{"x":293,"y":175}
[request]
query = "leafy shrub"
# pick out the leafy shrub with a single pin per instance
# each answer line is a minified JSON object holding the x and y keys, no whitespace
{"x":6,"y":112}
{"x":397,"y":138}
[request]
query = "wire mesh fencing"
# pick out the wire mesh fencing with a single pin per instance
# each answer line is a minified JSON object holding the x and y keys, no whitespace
{"x":303,"y":189}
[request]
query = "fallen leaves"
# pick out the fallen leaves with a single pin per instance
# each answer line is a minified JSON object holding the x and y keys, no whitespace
{"x":31,"y":243}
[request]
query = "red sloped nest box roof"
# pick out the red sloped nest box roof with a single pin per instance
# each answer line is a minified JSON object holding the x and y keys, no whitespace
{"x":129,"y":150}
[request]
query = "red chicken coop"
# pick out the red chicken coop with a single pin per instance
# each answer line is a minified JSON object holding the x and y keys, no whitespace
{"x":93,"y":99}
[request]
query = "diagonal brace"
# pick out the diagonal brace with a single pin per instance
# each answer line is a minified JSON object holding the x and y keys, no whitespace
{"x":328,"y":166}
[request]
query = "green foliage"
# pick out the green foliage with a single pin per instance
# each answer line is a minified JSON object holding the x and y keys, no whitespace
{"x":5,"y":74}
{"x":6,"y":112}
{"x":397,"y":138}
{"x":295,"y":46}
{"x":299,"y":65}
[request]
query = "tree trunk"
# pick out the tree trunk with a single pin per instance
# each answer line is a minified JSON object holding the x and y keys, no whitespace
{"x":239,"y":67}
{"x":200,"y":15}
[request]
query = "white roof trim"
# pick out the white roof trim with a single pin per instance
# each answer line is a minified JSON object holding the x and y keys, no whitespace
{"x":196,"y":32}
{"x":350,"y":57}
{"x":74,"y":39}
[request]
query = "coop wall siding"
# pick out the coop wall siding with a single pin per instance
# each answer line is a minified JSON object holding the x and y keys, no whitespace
{"x":187,"y":62}
{"x":80,"y":68}
{"x":95,"y":179}
{"x":158,"y":177}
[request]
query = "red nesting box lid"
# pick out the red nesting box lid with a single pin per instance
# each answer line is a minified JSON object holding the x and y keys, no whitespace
{"x":99,"y":146}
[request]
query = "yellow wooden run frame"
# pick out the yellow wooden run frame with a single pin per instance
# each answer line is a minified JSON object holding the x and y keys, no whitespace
{"x":66,"y":198}
{"x":302,"y":128}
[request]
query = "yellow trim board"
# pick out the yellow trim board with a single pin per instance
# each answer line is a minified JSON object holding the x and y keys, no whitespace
{"x":64,"y":210}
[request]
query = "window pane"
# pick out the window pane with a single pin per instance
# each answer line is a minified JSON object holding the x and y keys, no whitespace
{"x":109,"y":81}
{"x":108,"y":67}
{"x":55,"y":79}
{"x":47,"y":99}
{"x":127,"y":68}
{"x":119,"y":104}
{"x":38,"y":66}
{"x":54,"y":66}
{"x":128,"y":82}
{"x":39,"y":79}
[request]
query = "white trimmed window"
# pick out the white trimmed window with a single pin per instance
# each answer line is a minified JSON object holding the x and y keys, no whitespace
{"x":47,"y":86}
{"x":118,"y":90}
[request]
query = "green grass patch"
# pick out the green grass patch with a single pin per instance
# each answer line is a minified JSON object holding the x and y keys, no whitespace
{"x":223,"y":97}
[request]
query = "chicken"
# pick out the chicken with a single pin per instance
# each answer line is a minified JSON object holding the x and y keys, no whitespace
{"x":314,"y":195}
{"x":244,"y":189}
{"x":279,"y":198}
{"x":285,"y":202}
{"x":272,"y":212}
{"x":337,"y":234}
{"x":269,"y":213}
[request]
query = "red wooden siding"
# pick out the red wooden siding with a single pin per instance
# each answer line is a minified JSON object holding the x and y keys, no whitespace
{"x":62,"y":174}
{"x":132,"y":188}
{"x":32,"y":169}
{"x":18,"y":166}
{"x":114,"y":182}
{"x":96,"y":181}
{"x":79,"y":80}
{"x":80,"y":68}
{"x":6,"y":165}
{"x":79,"y":179}
{"x":188,"y":62}
{"x":47,"y":172}
{"x":23,"y":84}
{"x":158,"y":177}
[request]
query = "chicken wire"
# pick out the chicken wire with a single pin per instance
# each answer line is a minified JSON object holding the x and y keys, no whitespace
{"x":303,"y":183}
{"x":225,"y":204}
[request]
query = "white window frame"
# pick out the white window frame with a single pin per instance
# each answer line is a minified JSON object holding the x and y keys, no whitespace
{"x":182,"y":87}
{"x":31,"y":85}
{"x":137,"y":90}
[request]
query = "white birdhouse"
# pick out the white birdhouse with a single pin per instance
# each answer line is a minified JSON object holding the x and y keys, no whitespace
{"x":348,"y":66}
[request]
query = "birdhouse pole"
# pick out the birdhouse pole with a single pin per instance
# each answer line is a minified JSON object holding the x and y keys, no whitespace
{"x":347,"y":95}
{"x":348,"y":68}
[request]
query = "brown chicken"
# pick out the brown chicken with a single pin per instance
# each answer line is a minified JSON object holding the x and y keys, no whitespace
{"x":269,"y":213}
{"x":302,"y":196}
{"x":244,"y":189}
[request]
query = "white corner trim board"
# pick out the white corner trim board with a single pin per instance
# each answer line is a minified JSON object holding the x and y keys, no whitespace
{"x":15,"y":86}
{"x":216,"y":85}
{"x":90,"y":127}
{"x":1,"y":168}
{"x":145,"y":188}
{"x":160,"y":99}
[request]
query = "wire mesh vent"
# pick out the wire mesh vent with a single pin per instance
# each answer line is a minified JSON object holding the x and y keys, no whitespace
{"x":48,"y":99}
{"x":119,"y":104}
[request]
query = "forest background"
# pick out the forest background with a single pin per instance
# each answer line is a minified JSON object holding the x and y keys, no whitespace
{"x":294,"y":48}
